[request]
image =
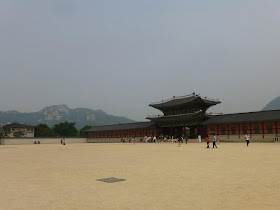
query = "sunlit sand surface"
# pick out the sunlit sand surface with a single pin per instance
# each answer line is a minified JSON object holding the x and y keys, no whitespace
{"x":157,"y":176}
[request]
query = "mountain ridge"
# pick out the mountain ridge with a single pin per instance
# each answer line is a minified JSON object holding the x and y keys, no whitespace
{"x":55,"y":114}
{"x":273,"y":105}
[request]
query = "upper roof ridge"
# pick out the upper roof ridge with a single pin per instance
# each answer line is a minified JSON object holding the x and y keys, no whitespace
{"x":186,"y":96}
{"x":174,"y":98}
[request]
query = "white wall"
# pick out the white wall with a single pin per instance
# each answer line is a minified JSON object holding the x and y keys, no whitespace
{"x":25,"y":140}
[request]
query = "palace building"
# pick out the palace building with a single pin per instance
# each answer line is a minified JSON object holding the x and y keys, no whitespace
{"x":187,"y":116}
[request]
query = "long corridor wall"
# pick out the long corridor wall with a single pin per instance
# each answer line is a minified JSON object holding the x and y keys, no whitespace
{"x":23,"y":141}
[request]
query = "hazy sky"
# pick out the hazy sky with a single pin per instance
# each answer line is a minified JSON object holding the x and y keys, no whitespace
{"x":120,"y":55}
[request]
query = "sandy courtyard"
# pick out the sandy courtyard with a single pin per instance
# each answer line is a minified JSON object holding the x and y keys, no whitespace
{"x":158,"y":176}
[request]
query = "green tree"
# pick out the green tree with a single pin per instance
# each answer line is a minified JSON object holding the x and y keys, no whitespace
{"x":83,"y":132}
{"x":65,"y":129}
{"x":42,"y":130}
{"x":7,"y":131}
{"x":18,"y":134}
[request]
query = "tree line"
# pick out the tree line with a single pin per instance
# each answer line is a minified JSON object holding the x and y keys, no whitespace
{"x":64,"y":129}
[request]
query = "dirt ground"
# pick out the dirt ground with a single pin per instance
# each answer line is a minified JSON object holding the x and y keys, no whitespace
{"x":158,"y":176}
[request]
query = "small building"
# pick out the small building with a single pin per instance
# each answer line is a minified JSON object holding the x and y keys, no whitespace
{"x":18,"y":128}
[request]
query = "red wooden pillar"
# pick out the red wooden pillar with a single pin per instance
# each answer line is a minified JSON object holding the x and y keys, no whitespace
{"x":239,"y":129}
{"x":228,"y":131}
{"x":250,"y":129}
{"x":263,"y":129}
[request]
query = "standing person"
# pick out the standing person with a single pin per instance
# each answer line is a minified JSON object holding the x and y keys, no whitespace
{"x":186,"y":139}
{"x":199,"y":138}
{"x":214,"y":139}
{"x":155,"y":138}
{"x":218,"y":139}
{"x":60,"y":141}
{"x":247,"y":138}
{"x":179,"y":141}
{"x":146,"y":139}
{"x":207,"y":141}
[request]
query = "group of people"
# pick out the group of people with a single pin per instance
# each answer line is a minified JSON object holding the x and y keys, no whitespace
{"x":215,"y":139}
{"x":181,"y":140}
{"x":149,"y":139}
{"x":62,"y":142}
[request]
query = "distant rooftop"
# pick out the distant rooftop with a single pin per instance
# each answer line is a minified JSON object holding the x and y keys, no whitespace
{"x":18,"y":125}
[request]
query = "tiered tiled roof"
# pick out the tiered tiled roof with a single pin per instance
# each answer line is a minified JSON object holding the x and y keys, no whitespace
{"x":183,"y":100}
{"x":161,"y":118}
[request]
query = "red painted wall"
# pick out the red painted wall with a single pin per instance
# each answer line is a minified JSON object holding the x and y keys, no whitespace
{"x":124,"y":134}
{"x":263,"y":128}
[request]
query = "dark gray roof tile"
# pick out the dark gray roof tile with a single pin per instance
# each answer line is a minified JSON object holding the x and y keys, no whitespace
{"x":163,"y":118}
{"x":17,"y":125}
{"x":244,"y":117}
{"x":127,"y":126}
{"x":182,"y":100}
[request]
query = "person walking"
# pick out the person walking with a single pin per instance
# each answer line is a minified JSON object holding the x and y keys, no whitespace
{"x":247,"y":138}
{"x":214,"y":139}
{"x":207,"y":141}
{"x":146,"y":139}
{"x":179,"y":141}
{"x":217,"y":139}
